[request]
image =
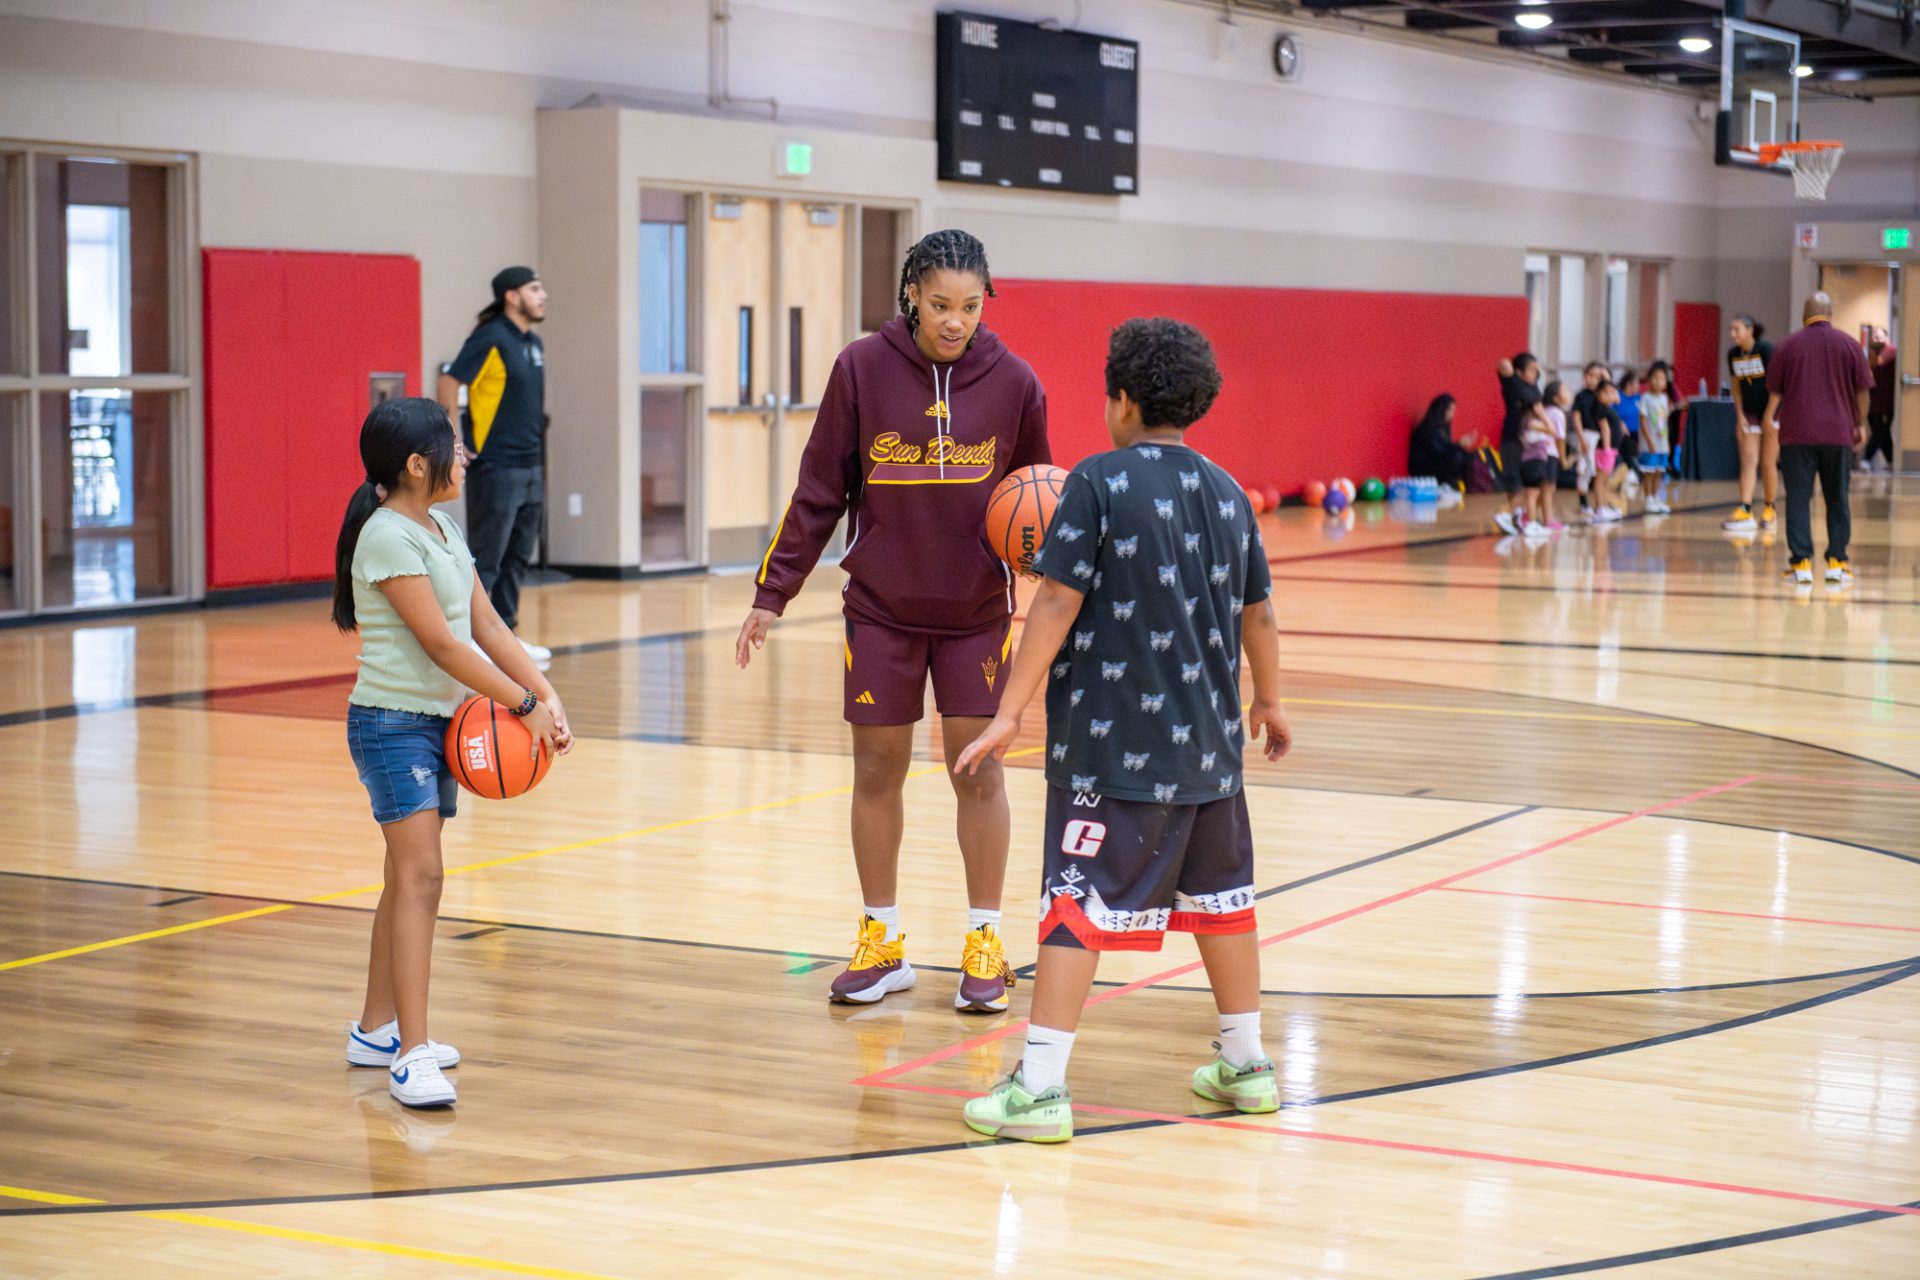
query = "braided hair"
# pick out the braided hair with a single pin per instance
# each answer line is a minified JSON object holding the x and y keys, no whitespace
{"x":937,"y":251}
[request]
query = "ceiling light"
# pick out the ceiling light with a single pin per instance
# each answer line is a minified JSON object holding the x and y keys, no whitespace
{"x":1803,"y":71}
{"x":1534,"y":21}
{"x":1696,"y":44}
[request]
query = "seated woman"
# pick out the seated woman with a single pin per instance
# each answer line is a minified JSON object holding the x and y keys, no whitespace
{"x":1433,"y":450}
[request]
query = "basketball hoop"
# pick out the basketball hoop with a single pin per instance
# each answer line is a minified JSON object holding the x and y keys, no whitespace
{"x":1812,"y":163}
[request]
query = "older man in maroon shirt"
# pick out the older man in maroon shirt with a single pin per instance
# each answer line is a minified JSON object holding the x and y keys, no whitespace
{"x":1817,"y":389}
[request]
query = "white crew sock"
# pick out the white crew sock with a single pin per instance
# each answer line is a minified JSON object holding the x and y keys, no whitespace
{"x":1044,"y":1064}
{"x":1240,"y":1039}
{"x":888,"y":916}
{"x":980,"y":917}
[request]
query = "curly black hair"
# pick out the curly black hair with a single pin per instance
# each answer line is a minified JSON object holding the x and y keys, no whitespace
{"x":941,"y":250}
{"x":1166,"y":367}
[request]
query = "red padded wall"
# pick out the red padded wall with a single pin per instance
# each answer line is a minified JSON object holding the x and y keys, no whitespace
{"x":1696,"y":347}
{"x":1317,"y":383}
{"x":290,"y":341}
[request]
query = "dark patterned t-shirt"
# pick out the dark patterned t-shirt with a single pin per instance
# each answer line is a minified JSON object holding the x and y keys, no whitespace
{"x":1144,"y":698}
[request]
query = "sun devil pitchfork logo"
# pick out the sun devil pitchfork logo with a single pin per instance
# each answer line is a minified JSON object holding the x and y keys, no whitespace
{"x":990,"y":668}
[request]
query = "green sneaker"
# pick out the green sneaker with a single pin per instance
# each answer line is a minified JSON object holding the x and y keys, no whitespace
{"x":1251,"y":1089}
{"x":1011,"y":1112}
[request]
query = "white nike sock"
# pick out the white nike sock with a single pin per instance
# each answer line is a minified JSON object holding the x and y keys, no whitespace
{"x":888,"y":916}
{"x":1240,"y":1039}
{"x":979,"y":917}
{"x":1044,"y":1064}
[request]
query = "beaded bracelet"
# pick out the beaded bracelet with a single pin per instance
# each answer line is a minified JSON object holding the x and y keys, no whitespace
{"x":527,"y":704}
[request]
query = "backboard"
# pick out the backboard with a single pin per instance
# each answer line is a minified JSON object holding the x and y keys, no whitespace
{"x":1759,"y":93}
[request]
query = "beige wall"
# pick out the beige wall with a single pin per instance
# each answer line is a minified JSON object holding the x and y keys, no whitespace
{"x":1387,"y":165}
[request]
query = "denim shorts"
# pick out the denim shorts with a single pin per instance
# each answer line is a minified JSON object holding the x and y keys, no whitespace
{"x":402,"y":759}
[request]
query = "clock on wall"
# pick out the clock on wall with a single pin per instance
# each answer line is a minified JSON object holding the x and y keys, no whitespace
{"x":1286,"y":57}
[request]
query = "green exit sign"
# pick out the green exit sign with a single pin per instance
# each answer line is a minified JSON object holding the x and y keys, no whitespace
{"x":1897,"y":238}
{"x":795,"y":159}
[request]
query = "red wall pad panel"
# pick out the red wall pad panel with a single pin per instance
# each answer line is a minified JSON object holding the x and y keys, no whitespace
{"x":290,"y":341}
{"x":1697,"y":347}
{"x":1317,"y":383}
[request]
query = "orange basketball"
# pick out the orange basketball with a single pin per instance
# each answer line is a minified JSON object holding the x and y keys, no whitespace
{"x":491,"y":752}
{"x":1315,"y":493}
{"x":1256,"y":498}
{"x":1020,"y":510}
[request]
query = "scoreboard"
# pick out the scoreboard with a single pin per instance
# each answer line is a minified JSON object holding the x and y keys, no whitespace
{"x":1021,"y":105}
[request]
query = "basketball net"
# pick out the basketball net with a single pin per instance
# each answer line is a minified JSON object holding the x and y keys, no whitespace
{"x":1812,"y":163}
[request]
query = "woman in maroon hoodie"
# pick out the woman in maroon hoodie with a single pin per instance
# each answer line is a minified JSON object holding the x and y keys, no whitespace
{"x":918,"y":424}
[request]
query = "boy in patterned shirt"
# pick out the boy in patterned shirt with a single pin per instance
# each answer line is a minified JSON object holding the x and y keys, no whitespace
{"x":1151,"y":566}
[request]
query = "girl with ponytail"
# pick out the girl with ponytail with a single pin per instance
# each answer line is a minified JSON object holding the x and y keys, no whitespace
{"x":404,"y":579}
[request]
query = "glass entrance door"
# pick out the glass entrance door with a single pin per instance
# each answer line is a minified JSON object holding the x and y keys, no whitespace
{"x":93,"y":382}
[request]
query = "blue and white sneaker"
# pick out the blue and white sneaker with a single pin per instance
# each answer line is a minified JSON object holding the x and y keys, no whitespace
{"x":415,"y":1080}
{"x":376,"y":1048}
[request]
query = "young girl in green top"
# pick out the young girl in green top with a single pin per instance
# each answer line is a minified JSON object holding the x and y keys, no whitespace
{"x":403,"y":578}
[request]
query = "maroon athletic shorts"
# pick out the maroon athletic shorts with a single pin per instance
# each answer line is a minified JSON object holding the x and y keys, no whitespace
{"x":887,"y":672}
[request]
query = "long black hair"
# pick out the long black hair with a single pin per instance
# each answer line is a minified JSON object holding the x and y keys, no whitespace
{"x":937,"y":251}
{"x":1435,"y":418}
{"x":392,"y":433}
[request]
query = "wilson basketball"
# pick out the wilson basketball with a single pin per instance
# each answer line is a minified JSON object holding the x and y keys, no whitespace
{"x":490,"y":751}
{"x":1020,"y":510}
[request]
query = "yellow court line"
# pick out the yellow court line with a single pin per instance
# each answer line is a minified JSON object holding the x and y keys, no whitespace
{"x":142,"y":937}
{"x":376,"y":1246}
{"x":510,"y":859}
{"x":319,"y":1237}
{"x":45,"y":1197}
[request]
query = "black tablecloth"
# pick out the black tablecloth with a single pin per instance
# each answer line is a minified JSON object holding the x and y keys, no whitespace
{"x":1709,"y":442}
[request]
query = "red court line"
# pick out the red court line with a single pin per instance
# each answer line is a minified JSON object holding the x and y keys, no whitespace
{"x":1495,"y":1157}
{"x":941,"y":1055}
{"x":1704,"y":911}
{"x":1453,"y":1153}
{"x":1841,"y":782}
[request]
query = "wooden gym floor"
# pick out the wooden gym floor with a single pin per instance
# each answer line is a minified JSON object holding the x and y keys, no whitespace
{"x":1592,"y":892}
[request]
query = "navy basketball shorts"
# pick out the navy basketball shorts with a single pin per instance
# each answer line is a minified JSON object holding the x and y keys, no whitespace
{"x":1120,"y":873}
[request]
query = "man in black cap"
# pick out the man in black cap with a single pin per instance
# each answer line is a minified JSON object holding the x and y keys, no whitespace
{"x":503,"y":368}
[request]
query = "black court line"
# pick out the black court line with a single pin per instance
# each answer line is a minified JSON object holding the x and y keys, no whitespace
{"x":1415,"y":847}
{"x":1714,"y":1245}
{"x":480,"y":933}
{"x":1904,"y":969}
{"x":542,"y":1184}
{"x":1582,"y":590}
{"x":1642,"y":672}
{"x":174,"y":902}
{"x":1464,"y":536}
{"x":1908,"y":969}
{"x":1739,"y":985}
{"x":1609,"y":648}
{"x":815,"y":960}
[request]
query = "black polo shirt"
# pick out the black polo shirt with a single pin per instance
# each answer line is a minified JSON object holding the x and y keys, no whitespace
{"x":505,"y":375}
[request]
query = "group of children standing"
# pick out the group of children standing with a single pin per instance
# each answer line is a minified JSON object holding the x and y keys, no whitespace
{"x":1601,"y":438}
{"x":1153,"y":585}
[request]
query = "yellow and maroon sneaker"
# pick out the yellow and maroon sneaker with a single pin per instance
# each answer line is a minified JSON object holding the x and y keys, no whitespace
{"x":877,"y":967}
{"x":985,"y":977}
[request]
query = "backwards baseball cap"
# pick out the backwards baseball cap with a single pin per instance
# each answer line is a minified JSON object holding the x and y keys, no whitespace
{"x":508,"y":279}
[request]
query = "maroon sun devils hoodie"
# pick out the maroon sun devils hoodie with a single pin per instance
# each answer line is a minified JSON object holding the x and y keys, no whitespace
{"x":913,"y":450}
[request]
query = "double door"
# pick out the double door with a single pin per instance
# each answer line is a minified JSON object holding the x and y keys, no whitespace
{"x":747,"y":302}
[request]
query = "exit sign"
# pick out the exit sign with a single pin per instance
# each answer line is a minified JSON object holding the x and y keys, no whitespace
{"x":1897,"y":238}
{"x":794,"y":159}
